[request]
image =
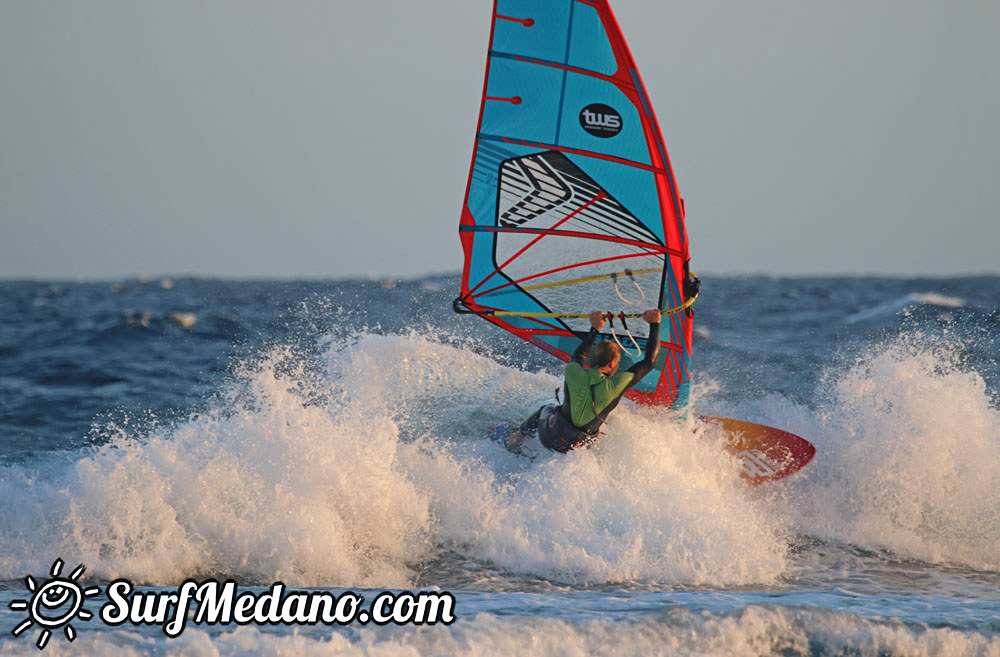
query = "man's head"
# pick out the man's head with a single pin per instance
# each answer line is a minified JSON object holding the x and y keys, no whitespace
{"x":605,"y":357}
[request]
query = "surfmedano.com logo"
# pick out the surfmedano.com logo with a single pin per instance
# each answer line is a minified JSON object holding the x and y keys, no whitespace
{"x":55,"y":604}
{"x":58,"y":601}
{"x":601,"y":120}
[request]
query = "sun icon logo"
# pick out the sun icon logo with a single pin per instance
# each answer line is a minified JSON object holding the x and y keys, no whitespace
{"x":55,"y":603}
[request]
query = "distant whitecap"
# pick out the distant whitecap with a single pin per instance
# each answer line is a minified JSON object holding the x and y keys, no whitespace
{"x":184,"y":320}
{"x":892,"y":307}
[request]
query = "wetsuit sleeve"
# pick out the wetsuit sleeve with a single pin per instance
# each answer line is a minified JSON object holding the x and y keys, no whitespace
{"x":615,"y":386}
{"x":581,"y":353}
{"x":645,"y":366}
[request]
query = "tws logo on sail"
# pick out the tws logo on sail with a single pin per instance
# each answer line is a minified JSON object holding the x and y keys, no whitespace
{"x":601,"y":120}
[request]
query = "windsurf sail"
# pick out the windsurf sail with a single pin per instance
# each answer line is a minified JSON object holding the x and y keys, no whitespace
{"x":571,"y":204}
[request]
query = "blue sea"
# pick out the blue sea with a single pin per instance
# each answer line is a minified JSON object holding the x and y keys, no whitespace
{"x":331,"y":436}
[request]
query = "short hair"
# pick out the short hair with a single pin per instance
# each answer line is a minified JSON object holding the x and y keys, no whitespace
{"x":603,"y":353}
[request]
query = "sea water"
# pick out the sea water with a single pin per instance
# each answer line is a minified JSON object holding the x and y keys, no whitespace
{"x":331,"y":436}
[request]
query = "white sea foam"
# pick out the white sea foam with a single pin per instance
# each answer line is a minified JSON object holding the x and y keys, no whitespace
{"x":353,"y":476}
{"x":266,"y":487}
{"x":757,"y":630}
{"x":908,"y":447}
{"x":633,"y":508}
{"x":908,"y":450}
{"x":184,"y":320}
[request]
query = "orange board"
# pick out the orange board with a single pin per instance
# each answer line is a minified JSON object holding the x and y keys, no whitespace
{"x":766,"y":453}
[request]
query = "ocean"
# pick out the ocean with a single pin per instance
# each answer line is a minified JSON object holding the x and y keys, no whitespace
{"x":331,"y":436}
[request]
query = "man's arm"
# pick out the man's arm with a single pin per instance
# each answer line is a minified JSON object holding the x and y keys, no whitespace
{"x":624,"y":380}
{"x":596,"y":324}
{"x":645,"y":366}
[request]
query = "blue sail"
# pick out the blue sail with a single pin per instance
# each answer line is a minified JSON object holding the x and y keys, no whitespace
{"x":571,"y":204}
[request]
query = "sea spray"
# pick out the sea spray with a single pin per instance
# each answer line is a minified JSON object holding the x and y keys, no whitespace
{"x":354,"y":474}
{"x":651,"y":503}
{"x":277,"y":489}
{"x":355,"y":470}
{"x":910,"y":457}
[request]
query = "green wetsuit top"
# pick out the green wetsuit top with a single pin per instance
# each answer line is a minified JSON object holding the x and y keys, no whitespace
{"x":590,"y":395}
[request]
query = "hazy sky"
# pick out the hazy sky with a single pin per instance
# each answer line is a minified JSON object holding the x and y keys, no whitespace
{"x":333,"y":138}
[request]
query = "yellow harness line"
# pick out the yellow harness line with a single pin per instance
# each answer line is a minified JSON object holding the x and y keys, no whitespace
{"x":589,"y":279}
{"x":513,"y":313}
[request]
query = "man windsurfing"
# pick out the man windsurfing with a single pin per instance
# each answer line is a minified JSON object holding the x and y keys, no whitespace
{"x":590,"y":394}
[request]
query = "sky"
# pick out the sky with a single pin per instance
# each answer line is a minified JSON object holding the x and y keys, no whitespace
{"x":332,"y":139}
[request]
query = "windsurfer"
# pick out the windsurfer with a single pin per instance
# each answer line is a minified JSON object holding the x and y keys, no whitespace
{"x":590,"y":394}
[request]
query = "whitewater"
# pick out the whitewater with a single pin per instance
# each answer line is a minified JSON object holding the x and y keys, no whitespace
{"x":332,"y":436}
